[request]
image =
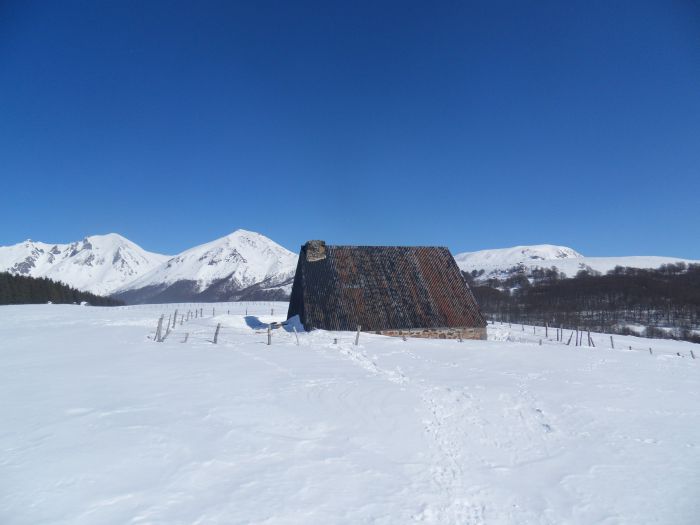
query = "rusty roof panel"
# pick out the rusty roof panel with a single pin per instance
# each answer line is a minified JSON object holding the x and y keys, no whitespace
{"x":382,"y":288}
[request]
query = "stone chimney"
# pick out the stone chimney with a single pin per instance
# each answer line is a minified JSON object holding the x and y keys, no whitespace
{"x":315,"y":250}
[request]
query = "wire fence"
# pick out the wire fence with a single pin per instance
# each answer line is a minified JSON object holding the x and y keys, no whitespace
{"x":556,"y":336}
{"x":211,"y":323}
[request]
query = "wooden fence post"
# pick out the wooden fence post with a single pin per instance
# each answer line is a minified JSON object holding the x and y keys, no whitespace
{"x":187,"y":334}
{"x":612,"y":343}
{"x":269,"y":335}
{"x":158,"y":329}
{"x":216,"y":334}
{"x":692,"y":354}
{"x":175,"y":318}
{"x":357,"y":336}
{"x":569,"y":341}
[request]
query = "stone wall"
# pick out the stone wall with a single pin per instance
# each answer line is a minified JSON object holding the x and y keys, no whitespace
{"x":438,"y":333}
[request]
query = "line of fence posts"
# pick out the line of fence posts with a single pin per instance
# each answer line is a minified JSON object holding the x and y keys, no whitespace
{"x":576,"y":335}
{"x":160,"y":336}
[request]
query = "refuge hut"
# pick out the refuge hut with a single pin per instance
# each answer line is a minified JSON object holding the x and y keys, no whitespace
{"x":391,"y":290}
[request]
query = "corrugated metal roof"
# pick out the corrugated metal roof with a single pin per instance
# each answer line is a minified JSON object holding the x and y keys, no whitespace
{"x":381,"y":288}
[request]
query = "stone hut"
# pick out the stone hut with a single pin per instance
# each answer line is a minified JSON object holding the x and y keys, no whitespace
{"x":408,"y":291}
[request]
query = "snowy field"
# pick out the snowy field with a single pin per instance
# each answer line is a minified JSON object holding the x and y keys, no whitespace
{"x":102,"y":425}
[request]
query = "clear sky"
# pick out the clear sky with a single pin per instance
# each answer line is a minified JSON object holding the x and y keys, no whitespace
{"x":467,"y":124}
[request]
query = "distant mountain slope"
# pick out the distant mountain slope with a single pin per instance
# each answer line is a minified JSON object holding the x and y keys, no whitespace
{"x":99,"y":264}
{"x":502,"y":262}
{"x":242,"y":265}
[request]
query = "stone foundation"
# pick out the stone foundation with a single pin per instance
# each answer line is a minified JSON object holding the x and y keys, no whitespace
{"x":438,"y":333}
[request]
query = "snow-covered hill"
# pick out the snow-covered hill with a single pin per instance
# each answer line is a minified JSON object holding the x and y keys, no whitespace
{"x":99,"y":264}
{"x":243,"y":264}
{"x":505,"y":261}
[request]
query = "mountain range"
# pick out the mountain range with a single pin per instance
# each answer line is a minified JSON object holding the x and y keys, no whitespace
{"x":100,"y":264}
{"x":245,"y":265}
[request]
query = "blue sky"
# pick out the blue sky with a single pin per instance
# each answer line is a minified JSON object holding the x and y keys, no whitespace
{"x":467,"y":124}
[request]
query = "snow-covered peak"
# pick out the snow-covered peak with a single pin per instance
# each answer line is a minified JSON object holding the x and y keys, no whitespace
{"x":516,"y":255}
{"x":504,"y":261}
{"x":243,"y":257}
{"x":98,"y":263}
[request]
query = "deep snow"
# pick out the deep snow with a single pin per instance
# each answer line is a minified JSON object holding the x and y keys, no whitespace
{"x":102,"y":425}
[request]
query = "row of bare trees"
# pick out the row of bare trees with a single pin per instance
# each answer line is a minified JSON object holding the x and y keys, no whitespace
{"x":664,"y":302}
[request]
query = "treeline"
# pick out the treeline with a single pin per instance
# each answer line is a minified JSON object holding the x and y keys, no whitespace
{"x":655,"y":303}
{"x":19,"y":289}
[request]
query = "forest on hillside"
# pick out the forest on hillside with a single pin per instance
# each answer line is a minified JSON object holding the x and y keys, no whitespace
{"x":654,"y":303}
{"x":19,"y":289}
